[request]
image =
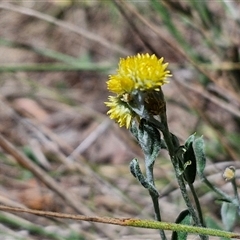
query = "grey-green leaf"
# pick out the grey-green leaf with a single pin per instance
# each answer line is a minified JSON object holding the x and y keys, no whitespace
{"x":150,"y":141}
{"x":229,"y":215}
{"x":198,"y":148}
{"x":190,"y":139}
{"x":137,"y":173}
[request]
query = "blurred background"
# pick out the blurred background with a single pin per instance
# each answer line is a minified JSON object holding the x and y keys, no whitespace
{"x":58,"y":149}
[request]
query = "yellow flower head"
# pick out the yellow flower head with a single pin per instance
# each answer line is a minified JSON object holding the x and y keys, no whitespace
{"x":140,"y":72}
{"x":120,"y":111}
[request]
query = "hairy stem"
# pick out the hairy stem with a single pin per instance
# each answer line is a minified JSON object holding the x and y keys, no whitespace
{"x":150,"y":179}
{"x":174,"y":159}
{"x":171,"y":149}
{"x":198,"y":206}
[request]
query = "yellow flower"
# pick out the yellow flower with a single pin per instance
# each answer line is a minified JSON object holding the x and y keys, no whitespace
{"x":141,"y":72}
{"x":120,"y":111}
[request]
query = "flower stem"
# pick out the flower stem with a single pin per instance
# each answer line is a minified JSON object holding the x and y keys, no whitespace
{"x":219,"y":191}
{"x":181,"y":183}
{"x":198,"y":206}
{"x":234,"y":184}
{"x":150,"y":179}
{"x":172,"y":150}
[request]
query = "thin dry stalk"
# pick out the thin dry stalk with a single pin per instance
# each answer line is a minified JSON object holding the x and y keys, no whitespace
{"x":49,"y":181}
{"x":224,"y":141}
{"x":70,"y":27}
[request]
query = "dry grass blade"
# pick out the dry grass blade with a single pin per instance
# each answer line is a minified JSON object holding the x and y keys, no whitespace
{"x":10,"y":233}
{"x":75,"y":162}
{"x":204,"y":94}
{"x":52,"y":108}
{"x":8,"y":218}
{"x":93,"y":136}
{"x":177,"y":6}
{"x":130,"y":10}
{"x":46,"y":179}
{"x":89,"y":35}
{"x":201,"y":111}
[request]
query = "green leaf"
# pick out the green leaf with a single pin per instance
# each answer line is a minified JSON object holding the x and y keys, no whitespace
{"x":190,"y":140}
{"x":190,"y":167}
{"x":137,"y":173}
{"x":229,"y":215}
{"x":30,"y":154}
{"x":204,"y":13}
{"x":183,"y":218}
{"x":212,"y":223}
{"x":148,"y":138}
{"x":198,"y":148}
{"x":175,"y":141}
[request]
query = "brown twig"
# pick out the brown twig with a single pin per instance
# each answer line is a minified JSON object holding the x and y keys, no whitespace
{"x":131,"y":222}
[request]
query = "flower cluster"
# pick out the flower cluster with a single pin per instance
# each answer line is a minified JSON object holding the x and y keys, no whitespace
{"x":142,"y":72}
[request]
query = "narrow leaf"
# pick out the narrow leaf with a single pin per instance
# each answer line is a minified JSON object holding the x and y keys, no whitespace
{"x":198,"y":148}
{"x":137,"y":173}
{"x":183,"y":218}
{"x":190,"y":139}
{"x":150,"y":141}
{"x":229,"y":215}
{"x":191,"y":168}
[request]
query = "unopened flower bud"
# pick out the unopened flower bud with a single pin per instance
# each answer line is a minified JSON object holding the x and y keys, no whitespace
{"x":229,"y":173}
{"x":154,"y":102}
